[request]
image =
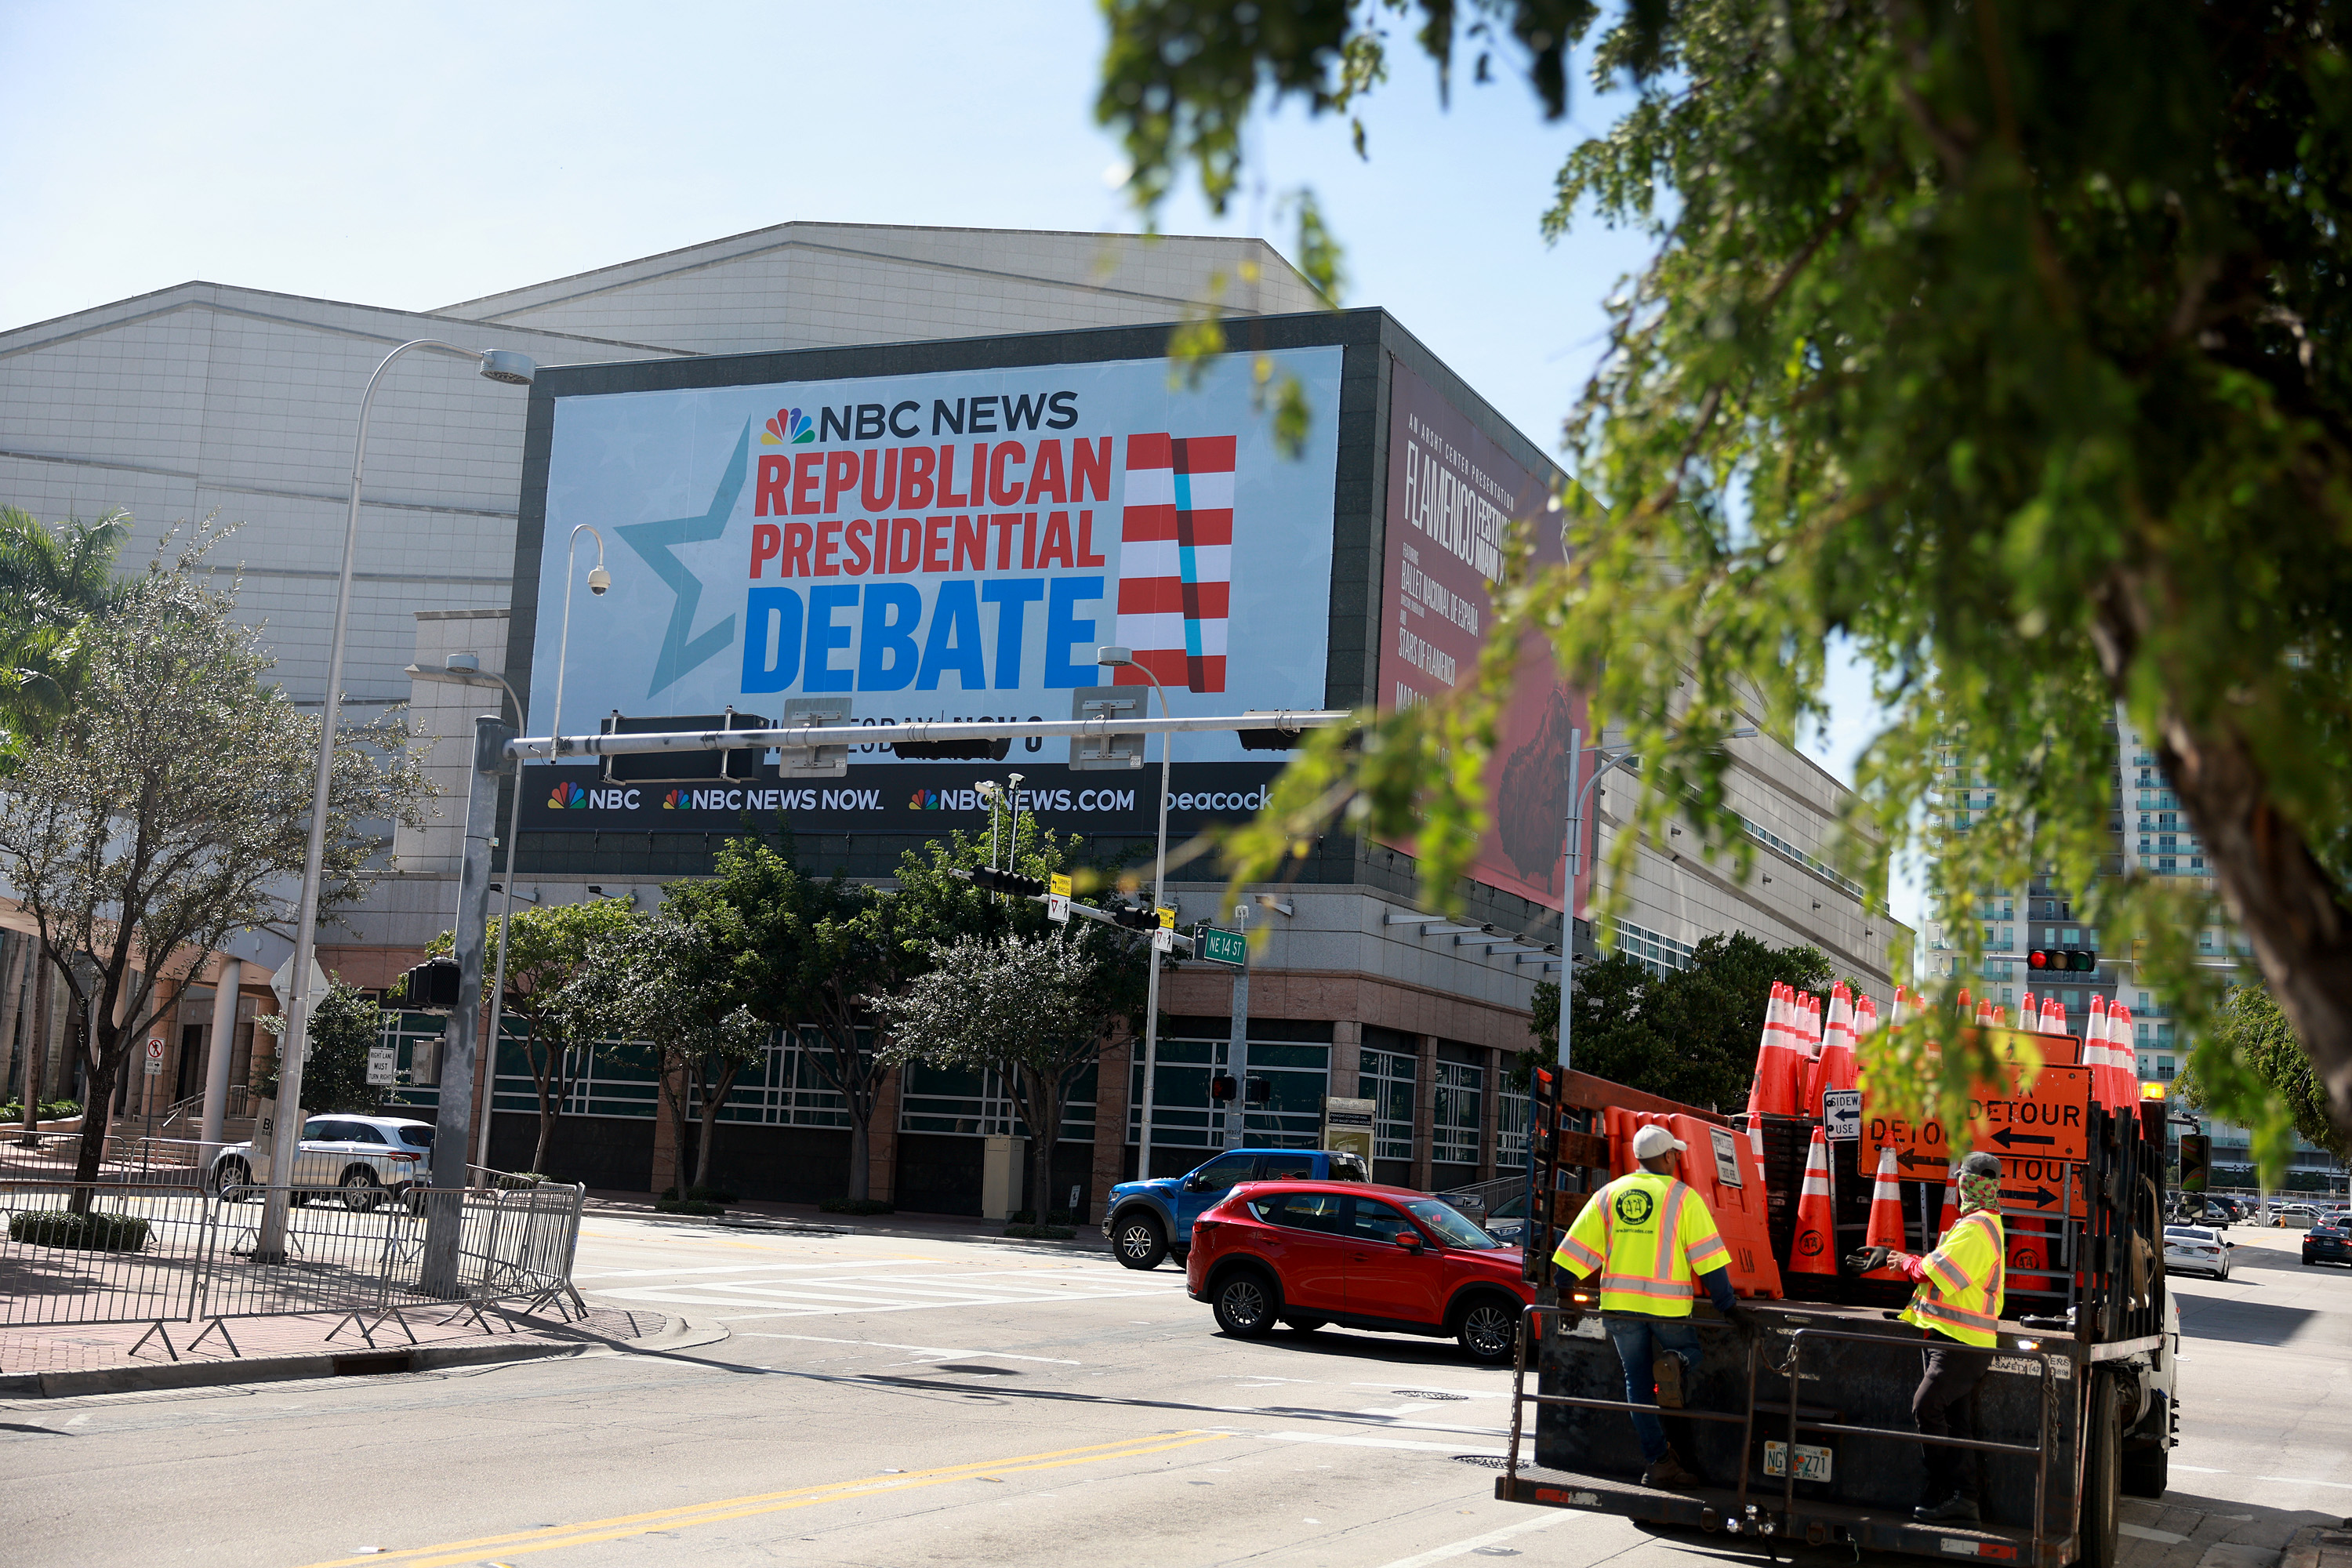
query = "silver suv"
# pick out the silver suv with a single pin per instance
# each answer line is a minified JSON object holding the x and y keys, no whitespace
{"x":360,"y":1157}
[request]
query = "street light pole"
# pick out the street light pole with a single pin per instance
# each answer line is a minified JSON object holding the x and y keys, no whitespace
{"x":1124,"y":658}
{"x":496,"y":364}
{"x":506,"y":912}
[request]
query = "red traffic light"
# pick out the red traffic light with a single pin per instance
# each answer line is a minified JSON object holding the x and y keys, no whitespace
{"x":2039,"y":958}
{"x":1222,"y":1087}
{"x":2065,"y":960}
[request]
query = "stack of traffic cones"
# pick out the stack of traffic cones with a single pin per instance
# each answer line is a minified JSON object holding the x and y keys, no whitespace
{"x":2126,"y":1053}
{"x":1834,"y":1066}
{"x":1756,"y":1135}
{"x":2094,"y":1054}
{"x":2029,"y":1015}
{"x":2054,"y":1017}
{"x":1779,"y":1085}
{"x":1814,"y":1250}
{"x":1887,"y":1216}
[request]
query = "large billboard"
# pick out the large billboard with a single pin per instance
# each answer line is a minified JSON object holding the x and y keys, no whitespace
{"x":949,"y":546}
{"x":1453,"y":494}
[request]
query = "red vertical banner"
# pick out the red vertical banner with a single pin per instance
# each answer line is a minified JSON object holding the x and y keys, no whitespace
{"x":1454,"y":495}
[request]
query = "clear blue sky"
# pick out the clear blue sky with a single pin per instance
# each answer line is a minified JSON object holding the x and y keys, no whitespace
{"x":418,"y":154}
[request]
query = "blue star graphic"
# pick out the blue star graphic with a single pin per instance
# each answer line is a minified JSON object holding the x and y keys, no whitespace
{"x":652,"y":541}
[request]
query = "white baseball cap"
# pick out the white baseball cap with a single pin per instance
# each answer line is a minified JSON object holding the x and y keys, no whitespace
{"x":1654,"y":1141}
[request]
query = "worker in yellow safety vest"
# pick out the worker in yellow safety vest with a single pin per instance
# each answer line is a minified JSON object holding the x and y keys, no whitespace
{"x":1650,"y":1236}
{"x":1959,"y":1303}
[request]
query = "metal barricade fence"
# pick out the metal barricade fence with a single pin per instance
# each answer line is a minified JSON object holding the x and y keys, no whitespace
{"x":161,"y":1255}
{"x":102,"y":1253}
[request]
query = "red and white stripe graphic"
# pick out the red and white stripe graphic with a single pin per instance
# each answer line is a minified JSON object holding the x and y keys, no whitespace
{"x":1176,"y":559}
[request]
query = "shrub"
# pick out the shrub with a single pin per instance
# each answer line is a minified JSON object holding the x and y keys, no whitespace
{"x":514,"y":1179}
{"x":50,"y":1110}
{"x":855,"y":1206}
{"x":90,"y":1232}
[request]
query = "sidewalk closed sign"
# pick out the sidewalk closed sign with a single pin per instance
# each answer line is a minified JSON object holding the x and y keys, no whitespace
{"x":1347,"y":1126}
{"x":1841,"y":1114}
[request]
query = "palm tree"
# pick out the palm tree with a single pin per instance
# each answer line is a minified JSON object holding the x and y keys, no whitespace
{"x":54,"y":581}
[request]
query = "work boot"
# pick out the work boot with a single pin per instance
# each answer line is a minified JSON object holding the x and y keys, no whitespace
{"x":1667,"y":1372}
{"x":1668,"y":1475}
{"x":1953,"y":1510}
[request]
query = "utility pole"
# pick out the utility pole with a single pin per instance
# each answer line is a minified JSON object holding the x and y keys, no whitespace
{"x":444,"y":1209}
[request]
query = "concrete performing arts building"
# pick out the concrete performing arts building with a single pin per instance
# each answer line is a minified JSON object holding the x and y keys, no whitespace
{"x":875,"y":474}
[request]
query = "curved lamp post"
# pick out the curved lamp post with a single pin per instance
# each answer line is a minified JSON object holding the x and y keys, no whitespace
{"x":1115,"y":658}
{"x":494,"y":365}
{"x":598,"y":581}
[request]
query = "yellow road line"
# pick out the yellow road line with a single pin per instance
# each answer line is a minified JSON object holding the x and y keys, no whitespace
{"x":447,"y":1553}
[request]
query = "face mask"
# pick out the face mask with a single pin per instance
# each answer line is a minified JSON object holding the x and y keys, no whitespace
{"x":1979,"y":1193}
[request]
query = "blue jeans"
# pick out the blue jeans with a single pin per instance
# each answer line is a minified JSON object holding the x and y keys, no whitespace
{"x":1635,"y":1335}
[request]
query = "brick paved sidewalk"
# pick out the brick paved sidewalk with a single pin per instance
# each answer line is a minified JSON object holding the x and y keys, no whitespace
{"x":103,"y":1347}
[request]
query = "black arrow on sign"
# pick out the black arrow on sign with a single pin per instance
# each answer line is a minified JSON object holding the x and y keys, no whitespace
{"x":2040,"y":1197}
{"x":1907,"y":1158}
{"x":2005,"y":1138}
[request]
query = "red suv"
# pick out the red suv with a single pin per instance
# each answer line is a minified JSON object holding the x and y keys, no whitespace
{"x":1311,"y":1253}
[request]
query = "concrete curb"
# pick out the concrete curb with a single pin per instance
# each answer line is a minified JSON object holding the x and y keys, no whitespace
{"x":683,"y":1334}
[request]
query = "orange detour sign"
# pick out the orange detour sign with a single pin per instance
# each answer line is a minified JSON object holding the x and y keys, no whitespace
{"x":2049,"y":1121}
{"x":2049,"y":1186}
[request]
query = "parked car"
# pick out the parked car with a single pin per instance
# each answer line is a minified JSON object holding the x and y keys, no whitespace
{"x":361,"y":1157}
{"x":1507,"y":1222}
{"x":1146,"y":1221}
{"x":1305,"y":1254}
{"x":2196,"y":1249}
{"x":2296,"y":1213}
{"x":2209,"y":1213}
{"x":2330,"y":1241}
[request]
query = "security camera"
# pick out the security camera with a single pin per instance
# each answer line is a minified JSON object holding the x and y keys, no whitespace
{"x":599,"y":580}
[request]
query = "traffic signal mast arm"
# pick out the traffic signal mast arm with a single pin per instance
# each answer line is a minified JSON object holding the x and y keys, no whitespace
{"x":919,"y":733}
{"x":1034,"y":889}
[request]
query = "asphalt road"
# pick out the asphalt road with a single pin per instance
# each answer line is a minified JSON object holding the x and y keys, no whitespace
{"x":883,"y":1400}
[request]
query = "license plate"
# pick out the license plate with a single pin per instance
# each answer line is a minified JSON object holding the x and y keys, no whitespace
{"x":1812,"y":1463}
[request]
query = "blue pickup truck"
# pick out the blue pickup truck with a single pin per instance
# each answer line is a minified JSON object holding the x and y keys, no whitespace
{"x":1146,"y":1221}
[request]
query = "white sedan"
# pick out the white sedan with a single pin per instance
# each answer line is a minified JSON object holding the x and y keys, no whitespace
{"x":2193,"y":1248}
{"x":358,"y":1157}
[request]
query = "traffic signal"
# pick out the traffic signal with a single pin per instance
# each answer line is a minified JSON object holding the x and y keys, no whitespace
{"x":1259,"y":1092}
{"x":1223,"y":1089}
{"x":2196,"y":1161}
{"x":2062,"y":960}
{"x":1135,"y":917}
{"x":431,"y":986}
{"x":988,"y":880}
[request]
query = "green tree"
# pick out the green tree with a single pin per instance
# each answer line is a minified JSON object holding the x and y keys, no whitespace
{"x":669,"y":979}
{"x":1037,"y":1010}
{"x":2000,"y":342}
{"x":547,"y":950}
{"x":344,"y":1024}
{"x":1689,"y":1033}
{"x":166,"y":809}
{"x":56,"y":583}
{"x":2250,"y":1052}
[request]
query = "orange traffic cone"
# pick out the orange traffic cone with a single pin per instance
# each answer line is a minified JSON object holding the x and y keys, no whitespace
{"x":2053,"y":1018}
{"x":2029,"y":1015}
{"x":1887,"y":1216}
{"x":1779,"y":1083}
{"x":1951,"y":1215}
{"x":1814,"y":1250}
{"x":2126,"y":1055}
{"x":1835,"y":1070}
{"x":1755,"y":1134}
{"x":2095,"y":1054}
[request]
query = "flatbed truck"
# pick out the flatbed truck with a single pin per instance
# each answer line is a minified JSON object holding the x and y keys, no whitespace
{"x":1800,"y":1428}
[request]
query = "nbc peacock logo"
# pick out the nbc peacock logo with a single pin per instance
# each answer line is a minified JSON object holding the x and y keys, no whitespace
{"x":925,"y":800}
{"x":674,"y":800}
{"x":790,"y":427}
{"x":567,"y":795}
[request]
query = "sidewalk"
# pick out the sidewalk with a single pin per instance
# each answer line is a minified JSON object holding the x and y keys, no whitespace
{"x":609,"y":1204}
{"x":98,"y":1358}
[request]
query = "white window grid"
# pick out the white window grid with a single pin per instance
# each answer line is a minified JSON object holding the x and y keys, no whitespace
{"x":1454,"y":1113}
{"x":783,"y":1088}
{"x":1510,"y":1128}
{"x":1388,"y":1081}
{"x":1183,"y":1119}
{"x":1654,"y":950}
{"x":974,"y":1102}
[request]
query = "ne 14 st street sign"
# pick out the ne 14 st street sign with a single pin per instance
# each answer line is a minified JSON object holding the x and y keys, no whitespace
{"x":2049,"y":1121}
{"x":1225,"y":946}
